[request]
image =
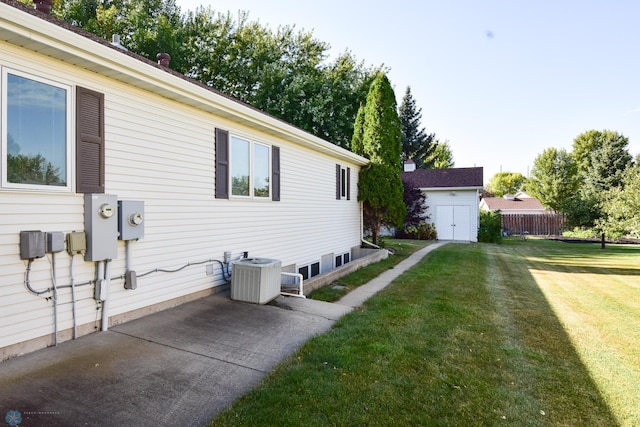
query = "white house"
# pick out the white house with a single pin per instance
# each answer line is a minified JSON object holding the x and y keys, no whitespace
{"x":452,"y":199}
{"x":199,"y":180}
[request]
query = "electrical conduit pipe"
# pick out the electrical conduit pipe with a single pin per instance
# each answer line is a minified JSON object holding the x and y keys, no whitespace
{"x":105,"y":303}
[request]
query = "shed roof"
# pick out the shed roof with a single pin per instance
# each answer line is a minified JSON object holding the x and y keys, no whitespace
{"x":453,"y":178}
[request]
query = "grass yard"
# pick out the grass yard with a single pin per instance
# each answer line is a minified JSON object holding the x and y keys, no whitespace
{"x":527,"y":333}
{"x":403,"y":249}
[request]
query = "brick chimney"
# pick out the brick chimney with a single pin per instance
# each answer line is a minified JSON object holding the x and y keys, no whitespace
{"x":163,"y":59}
{"x":43,"y":6}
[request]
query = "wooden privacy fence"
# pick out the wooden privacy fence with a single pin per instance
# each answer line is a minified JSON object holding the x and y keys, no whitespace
{"x":536,"y":225}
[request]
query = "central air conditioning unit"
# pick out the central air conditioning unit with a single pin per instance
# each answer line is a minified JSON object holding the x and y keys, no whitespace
{"x":255,"y":280}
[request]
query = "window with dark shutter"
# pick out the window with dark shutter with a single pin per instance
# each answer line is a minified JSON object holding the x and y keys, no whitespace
{"x":348,"y":183}
{"x":89,"y":141}
{"x":275,"y":173}
{"x":338,"y":184}
{"x":222,"y":164}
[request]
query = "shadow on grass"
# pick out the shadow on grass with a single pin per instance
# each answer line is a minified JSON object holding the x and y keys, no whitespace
{"x":584,"y":257}
{"x":464,"y":338}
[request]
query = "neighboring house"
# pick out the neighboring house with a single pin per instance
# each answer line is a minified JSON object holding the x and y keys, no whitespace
{"x":510,"y":204}
{"x":201,"y":179}
{"x":452,"y":199}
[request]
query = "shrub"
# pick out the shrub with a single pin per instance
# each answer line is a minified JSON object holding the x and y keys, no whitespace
{"x":490,"y":227}
{"x":420,"y":231}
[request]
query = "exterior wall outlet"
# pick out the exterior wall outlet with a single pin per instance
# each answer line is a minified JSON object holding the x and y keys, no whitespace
{"x":31,"y":244}
{"x":55,"y":241}
{"x":209,"y":269}
{"x":130,"y":280}
{"x":100,"y":290}
{"x":227,"y":257}
{"x":76,"y":242}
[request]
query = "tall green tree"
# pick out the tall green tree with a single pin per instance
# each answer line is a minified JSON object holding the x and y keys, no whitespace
{"x":506,"y":183}
{"x":621,"y":206}
{"x":146,"y":27}
{"x":380,"y":183}
{"x":283,"y":72}
{"x":607,"y":163}
{"x":441,"y":156}
{"x":602,"y":158}
{"x":417,"y":145}
{"x":554,"y":180}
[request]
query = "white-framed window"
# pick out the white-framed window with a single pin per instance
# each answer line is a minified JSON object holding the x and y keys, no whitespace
{"x":250,"y":171}
{"x":343,"y":183}
{"x":36,"y":132}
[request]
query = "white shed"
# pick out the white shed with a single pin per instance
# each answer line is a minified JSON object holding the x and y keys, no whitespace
{"x":85,"y":127}
{"x":452,"y":199}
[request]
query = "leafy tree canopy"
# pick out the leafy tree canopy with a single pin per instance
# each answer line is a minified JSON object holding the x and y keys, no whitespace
{"x":554,"y":178}
{"x":442,"y":156}
{"x":506,"y":183}
{"x":621,"y":207}
{"x":284,"y":72}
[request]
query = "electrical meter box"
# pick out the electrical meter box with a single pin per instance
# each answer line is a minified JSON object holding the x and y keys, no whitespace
{"x":130,"y":219}
{"x":101,"y":226}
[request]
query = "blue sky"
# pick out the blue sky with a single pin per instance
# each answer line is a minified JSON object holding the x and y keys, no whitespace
{"x":500,"y":80}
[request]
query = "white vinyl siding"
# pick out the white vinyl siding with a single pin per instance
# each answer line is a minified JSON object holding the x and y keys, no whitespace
{"x":162,"y":152}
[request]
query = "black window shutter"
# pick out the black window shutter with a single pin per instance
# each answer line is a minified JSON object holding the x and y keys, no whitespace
{"x":275,"y":173}
{"x":222,"y":164}
{"x":348,"y":183}
{"x":338,"y":189}
{"x":89,"y":141}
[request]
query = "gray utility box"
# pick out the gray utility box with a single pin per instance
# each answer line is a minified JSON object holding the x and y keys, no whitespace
{"x":130,"y":219}
{"x":101,"y":226}
{"x":256,"y":280}
{"x":32,"y":244}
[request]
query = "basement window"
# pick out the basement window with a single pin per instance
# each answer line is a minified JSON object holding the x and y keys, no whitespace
{"x":310,"y":270}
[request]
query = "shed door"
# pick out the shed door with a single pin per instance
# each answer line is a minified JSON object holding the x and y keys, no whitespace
{"x":453,"y":222}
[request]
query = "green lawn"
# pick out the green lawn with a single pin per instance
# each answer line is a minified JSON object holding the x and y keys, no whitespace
{"x":527,"y":333}
{"x":403,"y":248}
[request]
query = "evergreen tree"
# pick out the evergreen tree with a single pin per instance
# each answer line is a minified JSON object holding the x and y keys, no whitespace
{"x":358,"y":133}
{"x":607,"y":163}
{"x":417,"y":145}
{"x":380,"y":184}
